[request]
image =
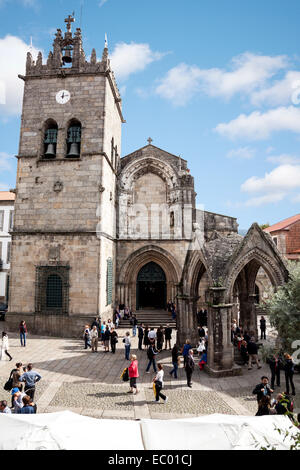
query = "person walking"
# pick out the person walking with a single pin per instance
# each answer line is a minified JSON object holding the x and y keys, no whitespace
{"x":23,"y":333}
{"x":289,"y":374}
{"x":94,"y":338}
{"x":113,"y":340}
{"x":133,"y":374}
{"x":175,"y":358}
{"x":30,"y":378}
{"x":262,"y":327}
{"x":189,"y":367}
{"x":185,"y":350}
{"x":159,"y":383}
{"x":5,"y":346}
{"x":151,"y":353}
{"x":252,"y":350}
{"x":127,"y":342}
{"x":140,"y":336}
{"x":168,"y":336}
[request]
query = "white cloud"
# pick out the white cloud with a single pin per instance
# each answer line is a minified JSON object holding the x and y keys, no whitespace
{"x":247,"y":72}
{"x":259,"y":126}
{"x":12,"y":46}
{"x":282,"y":92}
{"x":244,"y":153}
{"x":131,"y":58}
{"x":6,"y":161}
{"x":282,"y":178}
{"x":284,"y":159}
{"x":266,"y":199}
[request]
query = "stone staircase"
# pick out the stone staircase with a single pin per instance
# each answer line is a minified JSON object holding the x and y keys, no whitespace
{"x":152,"y":318}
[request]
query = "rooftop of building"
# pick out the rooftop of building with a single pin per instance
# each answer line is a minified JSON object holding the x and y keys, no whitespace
{"x":7,"y":196}
{"x":284,"y":224}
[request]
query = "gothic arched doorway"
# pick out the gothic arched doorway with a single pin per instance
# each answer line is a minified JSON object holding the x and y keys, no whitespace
{"x":151,"y":287}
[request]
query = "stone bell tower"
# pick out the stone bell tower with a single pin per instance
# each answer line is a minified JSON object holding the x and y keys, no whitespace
{"x":63,"y":243}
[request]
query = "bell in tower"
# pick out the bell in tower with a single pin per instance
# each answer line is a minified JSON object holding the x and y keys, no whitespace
{"x":74,"y":140}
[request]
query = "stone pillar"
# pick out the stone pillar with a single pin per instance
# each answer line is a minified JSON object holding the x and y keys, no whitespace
{"x":248,"y":320}
{"x":186,"y":320}
{"x":220,"y":349}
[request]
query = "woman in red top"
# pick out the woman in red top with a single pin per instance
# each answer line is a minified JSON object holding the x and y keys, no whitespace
{"x":133,"y":373}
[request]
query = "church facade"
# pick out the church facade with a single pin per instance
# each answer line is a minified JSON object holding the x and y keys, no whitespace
{"x":93,"y":230}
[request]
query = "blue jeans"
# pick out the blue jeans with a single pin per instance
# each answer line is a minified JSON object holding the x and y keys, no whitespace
{"x":151,"y":361}
{"x":134,"y":330}
{"x":23,"y":338}
{"x":127,"y":351}
{"x":175,"y":368}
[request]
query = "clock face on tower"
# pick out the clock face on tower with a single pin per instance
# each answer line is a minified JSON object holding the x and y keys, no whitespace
{"x":63,"y":96}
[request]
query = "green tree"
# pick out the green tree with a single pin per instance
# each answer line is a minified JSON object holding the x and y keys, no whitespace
{"x":263,"y":226}
{"x":284,"y":309}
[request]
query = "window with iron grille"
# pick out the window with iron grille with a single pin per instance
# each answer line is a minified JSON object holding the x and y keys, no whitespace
{"x":109,"y":281}
{"x":54,"y":291}
{"x":11,"y":220}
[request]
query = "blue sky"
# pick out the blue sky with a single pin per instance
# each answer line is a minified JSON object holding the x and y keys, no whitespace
{"x":216,"y":82}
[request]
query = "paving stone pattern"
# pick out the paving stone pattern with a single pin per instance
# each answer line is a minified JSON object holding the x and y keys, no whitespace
{"x":90,"y":384}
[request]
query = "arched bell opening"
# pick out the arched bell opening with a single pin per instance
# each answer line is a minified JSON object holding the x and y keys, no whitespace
{"x":74,"y":139}
{"x":50,"y":139}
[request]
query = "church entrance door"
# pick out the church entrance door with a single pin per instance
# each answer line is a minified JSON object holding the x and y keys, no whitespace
{"x":151,"y":287}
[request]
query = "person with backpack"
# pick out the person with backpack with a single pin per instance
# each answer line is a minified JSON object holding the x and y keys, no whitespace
{"x":151,"y":353}
{"x":23,"y":333}
{"x":289,"y":374}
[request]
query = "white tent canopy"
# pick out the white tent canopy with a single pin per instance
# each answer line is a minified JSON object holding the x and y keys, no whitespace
{"x":67,"y":430}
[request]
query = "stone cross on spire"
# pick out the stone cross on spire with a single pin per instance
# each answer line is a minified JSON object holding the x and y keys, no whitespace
{"x":149,"y":140}
{"x":69,"y":20}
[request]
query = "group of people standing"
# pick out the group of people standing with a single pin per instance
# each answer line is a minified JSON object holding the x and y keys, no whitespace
{"x":22,"y":401}
{"x":103,"y":332}
{"x":282,"y":405}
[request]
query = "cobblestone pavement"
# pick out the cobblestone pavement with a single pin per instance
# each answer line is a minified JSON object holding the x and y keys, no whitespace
{"x":89,"y":384}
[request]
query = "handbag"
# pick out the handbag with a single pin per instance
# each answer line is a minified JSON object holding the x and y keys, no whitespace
{"x":8,"y":385}
{"x":125,"y":375}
